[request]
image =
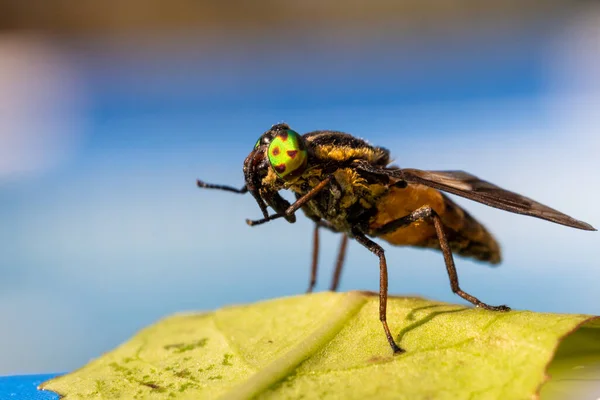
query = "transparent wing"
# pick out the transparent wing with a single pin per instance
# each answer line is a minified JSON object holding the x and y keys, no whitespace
{"x":466,"y":185}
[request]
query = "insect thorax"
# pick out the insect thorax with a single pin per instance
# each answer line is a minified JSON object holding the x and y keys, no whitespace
{"x":332,"y":146}
{"x":349,"y":200}
{"x":351,"y":197}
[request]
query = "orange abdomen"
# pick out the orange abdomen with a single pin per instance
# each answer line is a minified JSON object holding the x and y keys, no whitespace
{"x":466,"y":236}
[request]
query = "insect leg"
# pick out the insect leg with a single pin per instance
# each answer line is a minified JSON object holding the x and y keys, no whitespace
{"x":278,"y":204}
{"x":205,"y":185}
{"x":383,"y":284}
{"x":425,"y":213}
{"x":339,"y":263}
{"x":315,"y":260}
{"x":296,"y":205}
{"x":315,"y":256}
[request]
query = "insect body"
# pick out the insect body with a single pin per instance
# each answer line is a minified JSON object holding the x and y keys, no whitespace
{"x":348,"y":186}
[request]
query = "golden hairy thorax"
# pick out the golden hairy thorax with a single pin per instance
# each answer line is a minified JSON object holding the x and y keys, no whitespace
{"x":354,"y":188}
{"x":344,"y":153}
{"x":340,"y":147}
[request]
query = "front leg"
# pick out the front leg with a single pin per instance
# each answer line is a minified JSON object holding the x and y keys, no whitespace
{"x":296,"y":205}
{"x":278,"y":204}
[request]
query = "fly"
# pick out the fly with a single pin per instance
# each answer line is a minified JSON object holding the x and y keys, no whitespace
{"x":348,"y":186}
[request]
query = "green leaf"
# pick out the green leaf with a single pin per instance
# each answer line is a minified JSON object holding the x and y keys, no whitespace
{"x":331,"y":345}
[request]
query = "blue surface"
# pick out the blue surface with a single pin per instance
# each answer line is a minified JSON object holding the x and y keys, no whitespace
{"x":25,"y":387}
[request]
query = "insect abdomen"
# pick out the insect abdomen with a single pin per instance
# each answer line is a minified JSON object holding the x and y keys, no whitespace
{"x":466,"y":236}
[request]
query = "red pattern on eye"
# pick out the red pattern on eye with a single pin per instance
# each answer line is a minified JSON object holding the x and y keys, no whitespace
{"x":275,"y":151}
{"x":280,"y":168}
{"x":292,"y":153}
{"x":283,"y":136}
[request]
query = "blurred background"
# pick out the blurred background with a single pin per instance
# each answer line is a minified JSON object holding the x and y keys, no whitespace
{"x":110,"y":110}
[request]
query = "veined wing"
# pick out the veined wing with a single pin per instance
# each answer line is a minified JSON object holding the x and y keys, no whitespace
{"x":471,"y":187}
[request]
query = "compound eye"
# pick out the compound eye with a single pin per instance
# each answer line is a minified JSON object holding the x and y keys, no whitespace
{"x":287,"y":154}
{"x":257,"y":143}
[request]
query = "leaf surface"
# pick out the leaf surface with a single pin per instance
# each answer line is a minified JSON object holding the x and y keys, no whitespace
{"x":331,"y":345}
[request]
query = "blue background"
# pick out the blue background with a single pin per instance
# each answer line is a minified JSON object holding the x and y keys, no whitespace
{"x":104,"y":232}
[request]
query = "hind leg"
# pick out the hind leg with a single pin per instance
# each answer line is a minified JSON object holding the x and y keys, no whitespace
{"x":428,"y":213}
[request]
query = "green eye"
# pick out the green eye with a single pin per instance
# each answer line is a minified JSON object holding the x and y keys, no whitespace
{"x":257,"y":144}
{"x":287,"y":154}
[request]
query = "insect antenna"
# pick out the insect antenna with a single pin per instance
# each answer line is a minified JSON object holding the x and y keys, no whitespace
{"x":204,"y":185}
